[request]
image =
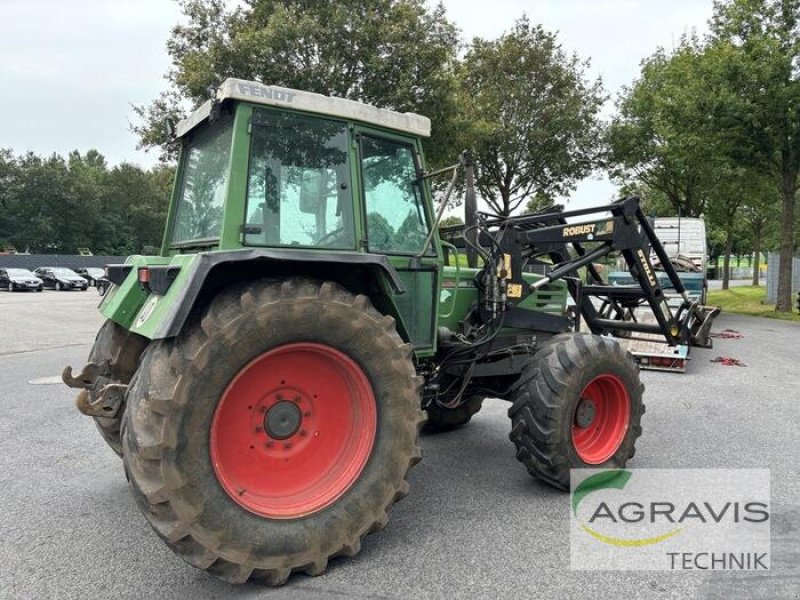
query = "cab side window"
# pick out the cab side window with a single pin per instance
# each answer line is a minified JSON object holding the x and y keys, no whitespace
{"x":396,"y":221}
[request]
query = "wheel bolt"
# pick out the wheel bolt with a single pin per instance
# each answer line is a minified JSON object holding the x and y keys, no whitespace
{"x":287,"y":445}
{"x":307,"y":413}
{"x":302,"y":433}
{"x":269,"y":444}
{"x":259,"y":430}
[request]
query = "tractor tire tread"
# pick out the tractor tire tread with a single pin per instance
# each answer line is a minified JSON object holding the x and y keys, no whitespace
{"x":150,"y":441}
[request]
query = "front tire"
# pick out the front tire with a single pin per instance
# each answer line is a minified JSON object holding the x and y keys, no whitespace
{"x":58,"y":286}
{"x":578,"y":404}
{"x":250,"y":378}
{"x":11,"y":287}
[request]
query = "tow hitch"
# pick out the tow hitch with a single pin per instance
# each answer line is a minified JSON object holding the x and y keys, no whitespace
{"x":100,"y":396}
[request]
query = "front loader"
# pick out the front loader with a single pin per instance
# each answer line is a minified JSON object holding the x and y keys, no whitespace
{"x":264,"y":378}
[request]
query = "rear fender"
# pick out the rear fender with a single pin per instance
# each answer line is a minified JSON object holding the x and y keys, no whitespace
{"x":202,"y":276}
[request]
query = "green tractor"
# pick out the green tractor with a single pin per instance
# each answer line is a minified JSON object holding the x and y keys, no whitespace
{"x":265,"y":377}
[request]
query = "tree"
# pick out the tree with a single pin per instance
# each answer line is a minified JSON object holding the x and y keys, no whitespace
{"x":451,"y":221}
{"x":8,"y":177}
{"x":760,"y":213}
{"x":540,"y":203}
{"x":395,"y":54}
{"x":531,"y":116}
{"x":660,"y":141}
{"x":761,"y":42}
{"x":57,"y":204}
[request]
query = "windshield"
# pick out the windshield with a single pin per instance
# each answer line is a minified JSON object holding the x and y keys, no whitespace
{"x":62,"y":272}
{"x":298,"y":189}
{"x":19,"y":273}
{"x":95,"y":272}
{"x":203,"y":184}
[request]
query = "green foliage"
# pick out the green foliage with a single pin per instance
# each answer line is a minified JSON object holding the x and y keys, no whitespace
{"x":396,"y":54}
{"x":757,"y":43}
{"x":451,"y":221}
{"x":713,"y":129}
{"x":55,"y":204}
{"x":539,"y":203}
{"x":660,"y":144}
{"x":529,"y":114}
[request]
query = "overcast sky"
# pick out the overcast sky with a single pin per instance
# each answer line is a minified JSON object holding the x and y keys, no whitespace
{"x":70,"y":69}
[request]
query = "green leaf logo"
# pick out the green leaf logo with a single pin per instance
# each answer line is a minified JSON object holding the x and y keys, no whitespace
{"x":600,"y":481}
{"x":615,"y":479}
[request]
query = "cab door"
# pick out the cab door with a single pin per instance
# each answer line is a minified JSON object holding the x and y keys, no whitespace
{"x":397,"y":222}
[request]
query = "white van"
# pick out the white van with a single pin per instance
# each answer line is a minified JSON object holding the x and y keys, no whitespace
{"x":683,"y":236}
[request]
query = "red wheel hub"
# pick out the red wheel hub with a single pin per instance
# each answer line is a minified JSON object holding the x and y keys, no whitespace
{"x":601,"y":419}
{"x":293,"y":430}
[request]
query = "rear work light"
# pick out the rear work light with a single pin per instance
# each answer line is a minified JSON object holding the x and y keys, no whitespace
{"x":156,"y":279}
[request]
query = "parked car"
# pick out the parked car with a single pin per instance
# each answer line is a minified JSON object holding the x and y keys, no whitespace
{"x":61,"y":278}
{"x":102,"y":285}
{"x":91,"y":274}
{"x":19,"y":279}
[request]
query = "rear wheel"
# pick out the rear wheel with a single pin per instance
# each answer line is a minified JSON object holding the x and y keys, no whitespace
{"x":578,"y":404}
{"x":275,"y":431}
{"x":442,"y":419}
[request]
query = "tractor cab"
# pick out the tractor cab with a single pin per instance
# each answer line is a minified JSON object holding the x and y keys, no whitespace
{"x":263,"y":166}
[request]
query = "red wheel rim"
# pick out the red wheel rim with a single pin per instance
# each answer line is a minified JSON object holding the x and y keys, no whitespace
{"x":293,"y":430}
{"x":601,"y":419}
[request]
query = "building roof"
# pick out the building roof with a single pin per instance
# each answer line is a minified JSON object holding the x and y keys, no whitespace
{"x":271,"y":95}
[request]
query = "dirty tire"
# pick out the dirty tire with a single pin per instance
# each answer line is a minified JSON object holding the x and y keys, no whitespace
{"x":122,"y":350}
{"x":441,"y":419}
{"x":170,"y":420}
{"x":548,"y":393}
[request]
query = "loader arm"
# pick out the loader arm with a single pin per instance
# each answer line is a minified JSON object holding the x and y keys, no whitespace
{"x":513,"y":241}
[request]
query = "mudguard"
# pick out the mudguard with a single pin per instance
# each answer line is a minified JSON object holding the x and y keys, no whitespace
{"x":159,"y":312}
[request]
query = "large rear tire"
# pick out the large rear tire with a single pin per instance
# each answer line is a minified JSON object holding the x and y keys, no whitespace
{"x":441,"y":419}
{"x":577,"y":404}
{"x":121,"y":349}
{"x":275,"y":431}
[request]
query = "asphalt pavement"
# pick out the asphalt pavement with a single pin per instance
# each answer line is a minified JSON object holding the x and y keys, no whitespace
{"x":474,"y":525}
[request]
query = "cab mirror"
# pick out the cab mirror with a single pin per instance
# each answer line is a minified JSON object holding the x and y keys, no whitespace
{"x":311,"y":192}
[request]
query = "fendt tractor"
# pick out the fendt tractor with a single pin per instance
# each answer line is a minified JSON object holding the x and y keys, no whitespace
{"x":265,"y":377}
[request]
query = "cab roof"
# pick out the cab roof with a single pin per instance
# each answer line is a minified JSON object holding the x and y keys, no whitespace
{"x":271,"y":95}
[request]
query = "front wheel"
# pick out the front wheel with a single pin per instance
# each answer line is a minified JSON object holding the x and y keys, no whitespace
{"x":578,"y":404}
{"x":275,"y":431}
{"x":11,"y":287}
{"x":441,"y":418}
{"x":58,"y":286}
